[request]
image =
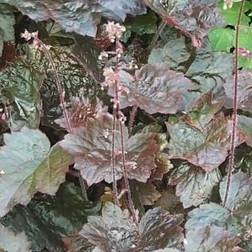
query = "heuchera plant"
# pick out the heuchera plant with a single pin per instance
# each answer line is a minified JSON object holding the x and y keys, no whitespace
{"x":125,"y":126}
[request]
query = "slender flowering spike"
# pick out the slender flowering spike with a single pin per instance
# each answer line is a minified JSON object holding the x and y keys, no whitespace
{"x":114,"y":30}
{"x":110,"y":76}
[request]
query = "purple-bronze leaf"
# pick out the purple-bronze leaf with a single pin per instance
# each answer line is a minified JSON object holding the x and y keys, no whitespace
{"x":115,"y":230}
{"x":191,"y":17}
{"x":244,"y":91}
{"x":193,"y":185}
{"x":206,"y":147}
{"x":156,"y":89}
{"x":78,"y":16}
{"x":91,"y":147}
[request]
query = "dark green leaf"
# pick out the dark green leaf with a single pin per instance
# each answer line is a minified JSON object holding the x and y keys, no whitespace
{"x":47,"y":219}
{"x":19,"y":86}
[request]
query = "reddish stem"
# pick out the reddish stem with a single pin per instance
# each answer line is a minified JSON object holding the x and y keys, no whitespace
{"x":235,"y":107}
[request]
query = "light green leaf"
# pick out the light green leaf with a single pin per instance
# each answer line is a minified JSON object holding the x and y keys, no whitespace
{"x":28,"y":165}
{"x":221,"y":39}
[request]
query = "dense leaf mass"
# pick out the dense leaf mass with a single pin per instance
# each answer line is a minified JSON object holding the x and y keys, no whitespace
{"x":125,"y":126}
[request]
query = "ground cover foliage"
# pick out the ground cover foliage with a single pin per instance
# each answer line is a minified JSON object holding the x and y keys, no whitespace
{"x":125,"y":126}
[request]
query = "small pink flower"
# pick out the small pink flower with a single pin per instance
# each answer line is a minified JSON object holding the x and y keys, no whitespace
{"x":244,"y":52}
{"x":29,"y":35}
{"x":114,"y":30}
{"x":110,"y":76}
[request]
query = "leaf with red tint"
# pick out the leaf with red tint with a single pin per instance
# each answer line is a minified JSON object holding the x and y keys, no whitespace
{"x":115,"y":230}
{"x":78,"y":16}
{"x":206,"y":147}
{"x":91,"y":147}
{"x":156,"y":89}
{"x":193,"y":185}
{"x":244,"y":91}
{"x":81,"y":110}
{"x":191,"y":17}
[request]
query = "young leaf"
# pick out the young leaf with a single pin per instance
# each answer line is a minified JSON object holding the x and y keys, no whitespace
{"x":156,"y":89}
{"x":116,"y":231}
{"x":91,"y":147}
{"x":193,"y":185}
{"x":147,"y":193}
{"x":80,"y":17}
{"x":13,"y":243}
{"x":28,"y":165}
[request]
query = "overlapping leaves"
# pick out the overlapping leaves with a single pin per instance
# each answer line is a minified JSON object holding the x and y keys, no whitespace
{"x":202,"y":137}
{"x":233,"y":221}
{"x":28,"y":165}
{"x":157,"y":89}
{"x":91,"y":147}
{"x":46,"y":223}
{"x":81,"y":17}
{"x":192,"y":18}
{"x":115,"y":231}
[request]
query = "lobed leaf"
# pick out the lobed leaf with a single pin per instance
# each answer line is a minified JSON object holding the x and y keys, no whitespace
{"x":91,"y":147}
{"x":116,"y":231}
{"x":156,"y":89}
{"x":29,"y":165}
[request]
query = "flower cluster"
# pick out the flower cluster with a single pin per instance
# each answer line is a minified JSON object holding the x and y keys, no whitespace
{"x":37,"y":43}
{"x":114,"y":30}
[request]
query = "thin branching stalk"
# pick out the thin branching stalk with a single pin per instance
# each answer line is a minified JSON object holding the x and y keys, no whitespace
{"x":125,"y":172}
{"x":60,"y":89}
{"x":235,"y":107}
{"x":113,"y":159}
